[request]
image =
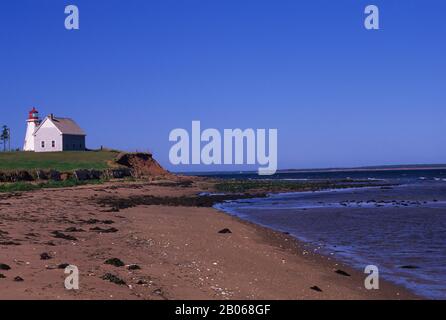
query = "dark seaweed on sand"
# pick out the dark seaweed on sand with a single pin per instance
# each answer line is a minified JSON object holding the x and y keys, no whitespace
{"x":183,"y":201}
{"x":60,"y":235}
{"x":112,"y":278}
{"x":101,"y":230}
{"x":115,"y":262}
{"x":4,"y":266}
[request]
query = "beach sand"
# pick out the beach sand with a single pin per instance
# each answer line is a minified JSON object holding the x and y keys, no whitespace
{"x":179,"y":250}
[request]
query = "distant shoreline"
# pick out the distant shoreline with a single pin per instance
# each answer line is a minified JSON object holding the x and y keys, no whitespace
{"x":363,"y":169}
{"x":322,"y":170}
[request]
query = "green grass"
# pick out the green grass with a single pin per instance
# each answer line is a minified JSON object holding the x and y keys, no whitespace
{"x":27,"y":186}
{"x":61,"y":161}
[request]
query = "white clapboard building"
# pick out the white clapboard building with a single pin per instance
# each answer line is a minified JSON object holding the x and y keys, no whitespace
{"x":52,"y":134}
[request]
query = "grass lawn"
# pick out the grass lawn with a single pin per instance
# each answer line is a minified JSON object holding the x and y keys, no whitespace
{"x":61,"y":161}
{"x":26,"y":186}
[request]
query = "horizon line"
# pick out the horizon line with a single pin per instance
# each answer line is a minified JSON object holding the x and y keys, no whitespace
{"x":407,"y":167}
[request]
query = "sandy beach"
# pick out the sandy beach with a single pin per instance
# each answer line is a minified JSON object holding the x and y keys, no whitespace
{"x":175,"y":252}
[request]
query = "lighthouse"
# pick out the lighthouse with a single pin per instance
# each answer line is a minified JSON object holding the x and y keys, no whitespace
{"x":31,"y":124}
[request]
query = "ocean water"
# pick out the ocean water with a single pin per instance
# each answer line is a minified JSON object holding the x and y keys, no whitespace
{"x":398,"y":176}
{"x":401,"y":230}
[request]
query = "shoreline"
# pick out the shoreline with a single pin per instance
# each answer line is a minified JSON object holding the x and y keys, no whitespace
{"x":416,"y":202}
{"x":296,"y":246}
{"x":179,"y":249}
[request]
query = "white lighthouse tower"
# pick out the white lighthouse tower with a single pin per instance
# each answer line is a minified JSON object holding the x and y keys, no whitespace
{"x":31,"y":125}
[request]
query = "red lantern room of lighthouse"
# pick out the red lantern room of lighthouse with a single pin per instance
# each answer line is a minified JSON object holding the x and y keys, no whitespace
{"x":33,"y":115}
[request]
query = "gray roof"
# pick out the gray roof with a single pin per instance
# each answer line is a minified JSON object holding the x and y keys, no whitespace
{"x":68,"y":126}
{"x":65,"y":126}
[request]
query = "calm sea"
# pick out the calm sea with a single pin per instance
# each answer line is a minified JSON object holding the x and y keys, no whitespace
{"x":402,"y":229}
{"x":399,"y":176}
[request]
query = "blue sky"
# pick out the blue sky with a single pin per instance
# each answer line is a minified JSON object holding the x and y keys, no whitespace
{"x":339,"y":95}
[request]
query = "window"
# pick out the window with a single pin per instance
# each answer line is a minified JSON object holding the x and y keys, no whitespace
{"x":53,"y":144}
{"x":43,"y":144}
